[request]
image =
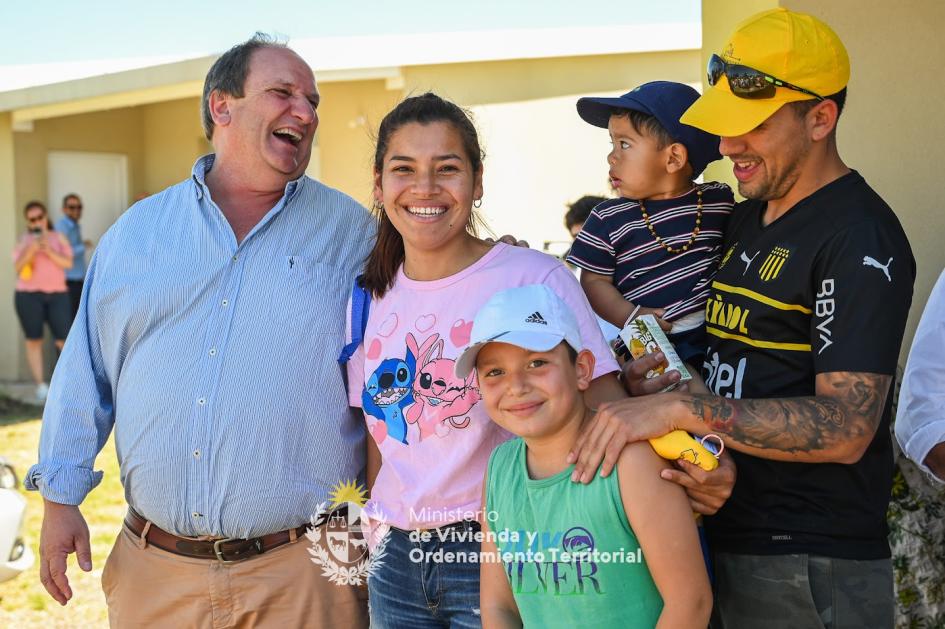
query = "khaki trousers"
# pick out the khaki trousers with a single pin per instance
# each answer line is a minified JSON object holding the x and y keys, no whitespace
{"x":148,"y":587}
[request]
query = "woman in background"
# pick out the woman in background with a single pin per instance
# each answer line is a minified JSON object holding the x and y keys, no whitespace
{"x":41,"y":257}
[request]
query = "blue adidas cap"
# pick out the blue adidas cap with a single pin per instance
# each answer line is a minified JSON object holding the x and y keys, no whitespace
{"x":666,"y":101}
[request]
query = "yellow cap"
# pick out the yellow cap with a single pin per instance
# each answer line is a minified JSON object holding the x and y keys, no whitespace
{"x":794,"y":47}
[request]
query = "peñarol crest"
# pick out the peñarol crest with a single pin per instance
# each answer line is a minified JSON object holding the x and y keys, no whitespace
{"x":772,"y":265}
{"x":339,"y":537}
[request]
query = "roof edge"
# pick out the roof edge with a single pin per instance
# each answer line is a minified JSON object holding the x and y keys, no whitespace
{"x":355,"y":58}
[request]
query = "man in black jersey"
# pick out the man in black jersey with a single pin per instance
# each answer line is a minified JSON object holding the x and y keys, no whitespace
{"x":804,"y":322}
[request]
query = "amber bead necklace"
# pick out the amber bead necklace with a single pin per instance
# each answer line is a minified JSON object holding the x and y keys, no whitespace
{"x":692,"y":236}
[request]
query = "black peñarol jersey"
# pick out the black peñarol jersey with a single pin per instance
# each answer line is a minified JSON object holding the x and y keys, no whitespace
{"x":826,"y":287}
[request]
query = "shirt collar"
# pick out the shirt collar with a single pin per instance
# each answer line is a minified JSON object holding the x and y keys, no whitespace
{"x":203,"y":165}
{"x":199,"y":172}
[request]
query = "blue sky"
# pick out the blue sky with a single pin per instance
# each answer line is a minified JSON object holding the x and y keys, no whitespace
{"x":48,"y":31}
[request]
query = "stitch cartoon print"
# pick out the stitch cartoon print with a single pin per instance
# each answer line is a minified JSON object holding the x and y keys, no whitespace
{"x":440,"y":399}
{"x":388,"y":392}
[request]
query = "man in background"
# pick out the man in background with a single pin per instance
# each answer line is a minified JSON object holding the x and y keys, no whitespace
{"x":69,"y":227}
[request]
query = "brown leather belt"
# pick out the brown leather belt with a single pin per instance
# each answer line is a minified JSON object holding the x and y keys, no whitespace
{"x":227,"y":550}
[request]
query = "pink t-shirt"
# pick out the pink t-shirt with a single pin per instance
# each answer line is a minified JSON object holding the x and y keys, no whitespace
{"x":434,"y":434}
{"x":47,"y":277}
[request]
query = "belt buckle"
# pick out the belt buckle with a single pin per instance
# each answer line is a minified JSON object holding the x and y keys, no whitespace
{"x":219,"y":552}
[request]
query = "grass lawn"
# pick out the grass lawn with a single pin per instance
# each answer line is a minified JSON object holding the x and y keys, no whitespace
{"x":23,"y":601}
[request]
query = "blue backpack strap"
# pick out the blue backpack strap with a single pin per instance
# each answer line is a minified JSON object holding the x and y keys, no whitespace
{"x":360,"y":308}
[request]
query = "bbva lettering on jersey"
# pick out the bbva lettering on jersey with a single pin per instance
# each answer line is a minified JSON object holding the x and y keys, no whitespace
{"x":726,"y":315}
{"x":824,"y":308}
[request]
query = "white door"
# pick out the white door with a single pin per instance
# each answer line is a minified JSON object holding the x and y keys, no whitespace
{"x":100,"y":179}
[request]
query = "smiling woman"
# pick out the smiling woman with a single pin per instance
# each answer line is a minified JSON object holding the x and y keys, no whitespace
{"x":427,"y":186}
{"x":454,"y":158}
{"x":430,"y":436}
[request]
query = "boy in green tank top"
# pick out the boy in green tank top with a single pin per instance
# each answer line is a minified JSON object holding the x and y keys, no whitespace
{"x":621,"y":551}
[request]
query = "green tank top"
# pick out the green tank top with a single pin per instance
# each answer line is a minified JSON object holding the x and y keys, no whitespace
{"x":569,"y":552}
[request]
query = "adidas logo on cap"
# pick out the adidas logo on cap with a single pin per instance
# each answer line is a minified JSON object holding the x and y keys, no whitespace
{"x":505,"y":318}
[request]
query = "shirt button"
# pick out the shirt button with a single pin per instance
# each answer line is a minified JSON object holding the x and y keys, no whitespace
{"x":196,"y":454}
{"x":195,"y":514}
{"x":202,"y":401}
{"x":225,"y":302}
{"x":234,"y":258}
{"x":213,"y":351}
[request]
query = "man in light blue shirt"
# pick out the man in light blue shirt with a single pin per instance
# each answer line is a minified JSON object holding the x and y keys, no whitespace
{"x":69,"y":227}
{"x":212,"y":318}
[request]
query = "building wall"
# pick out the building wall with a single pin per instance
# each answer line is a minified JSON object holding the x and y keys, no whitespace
{"x":894,"y":136}
{"x":500,"y":82}
{"x":349,"y":115}
{"x":891,"y":136}
{"x":172,"y":141}
{"x":10,"y":335}
{"x":116,"y":131}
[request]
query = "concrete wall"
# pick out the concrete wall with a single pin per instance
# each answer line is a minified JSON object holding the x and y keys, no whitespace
{"x":161,"y":141}
{"x":172,"y":141}
{"x":116,"y":131}
{"x":10,"y":335}
{"x":892,"y":128}
{"x":349,"y":115}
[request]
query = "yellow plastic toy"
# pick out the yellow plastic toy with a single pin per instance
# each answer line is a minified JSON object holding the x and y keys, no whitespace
{"x":26,"y":272}
{"x":679,"y":444}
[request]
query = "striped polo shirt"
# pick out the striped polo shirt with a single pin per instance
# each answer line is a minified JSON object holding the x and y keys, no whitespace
{"x":617,"y":241}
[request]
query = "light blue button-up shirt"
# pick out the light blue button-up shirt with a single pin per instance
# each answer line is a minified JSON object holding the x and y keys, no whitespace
{"x":73,"y":233}
{"x":215,"y":362}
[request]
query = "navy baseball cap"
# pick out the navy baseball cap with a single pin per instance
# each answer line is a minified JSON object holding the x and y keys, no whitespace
{"x":666,"y":101}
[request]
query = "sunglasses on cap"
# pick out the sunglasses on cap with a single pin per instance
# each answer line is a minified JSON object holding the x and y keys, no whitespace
{"x":747,"y":82}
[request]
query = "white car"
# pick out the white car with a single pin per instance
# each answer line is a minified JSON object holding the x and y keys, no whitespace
{"x":15,"y":555}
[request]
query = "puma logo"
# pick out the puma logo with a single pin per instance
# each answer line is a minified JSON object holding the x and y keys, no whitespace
{"x":868,"y":261}
{"x":748,"y":261}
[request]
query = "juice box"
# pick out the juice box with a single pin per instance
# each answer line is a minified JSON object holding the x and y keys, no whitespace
{"x":644,"y":336}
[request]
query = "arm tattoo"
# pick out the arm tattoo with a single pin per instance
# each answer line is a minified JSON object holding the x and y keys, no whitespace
{"x":716,"y":411}
{"x":850,"y":409}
